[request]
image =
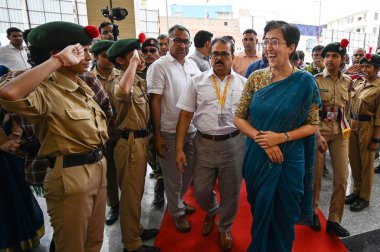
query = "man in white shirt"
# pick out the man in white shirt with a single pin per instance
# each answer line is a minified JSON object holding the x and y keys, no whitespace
{"x":212,"y":98}
{"x":14,"y":55}
{"x":166,"y":79}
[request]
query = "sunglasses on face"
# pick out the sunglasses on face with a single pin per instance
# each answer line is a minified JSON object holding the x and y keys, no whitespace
{"x":358,"y":55}
{"x":151,"y":50}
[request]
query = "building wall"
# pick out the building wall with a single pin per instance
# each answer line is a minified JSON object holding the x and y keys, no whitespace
{"x":366,"y":21}
{"x":129,"y":27}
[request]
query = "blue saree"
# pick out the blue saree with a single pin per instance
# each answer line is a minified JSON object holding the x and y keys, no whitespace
{"x":280,"y":195}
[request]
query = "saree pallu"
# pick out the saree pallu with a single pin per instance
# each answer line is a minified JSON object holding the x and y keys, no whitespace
{"x":280,"y":195}
{"x":21,"y":218}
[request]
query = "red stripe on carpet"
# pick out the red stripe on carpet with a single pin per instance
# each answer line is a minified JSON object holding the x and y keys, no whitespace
{"x":171,"y":240}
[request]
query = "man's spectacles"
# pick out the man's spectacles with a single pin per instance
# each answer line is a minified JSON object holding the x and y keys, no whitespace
{"x":273,"y":43}
{"x":179,"y":41}
{"x":223,"y":55}
{"x":151,"y":50}
{"x":163,"y":44}
{"x":358,"y":55}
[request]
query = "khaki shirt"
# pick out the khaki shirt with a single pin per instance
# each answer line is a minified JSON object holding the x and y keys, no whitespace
{"x":334,"y":94}
{"x":64,"y":115}
{"x":132,"y":108}
{"x":108,"y":83}
{"x":366,"y":99}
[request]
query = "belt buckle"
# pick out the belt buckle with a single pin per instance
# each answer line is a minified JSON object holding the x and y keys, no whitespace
{"x":98,"y":154}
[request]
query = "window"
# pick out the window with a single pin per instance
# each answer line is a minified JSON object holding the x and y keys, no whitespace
{"x":36,"y":5}
{"x":15,"y":16}
{"x":376,"y":17}
{"x":357,"y":29}
{"x":37,"y":17}
{"x":374,"y":30}
{"x":4,"y":15}
{"x":359,"y":18}
{"x":352,"y":19}
{"x":365,"y":16}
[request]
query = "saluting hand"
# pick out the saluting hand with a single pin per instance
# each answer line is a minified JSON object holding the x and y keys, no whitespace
{"x":71,"y":55}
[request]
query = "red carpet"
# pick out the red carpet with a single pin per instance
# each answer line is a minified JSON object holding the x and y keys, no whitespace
{"x":170,"y":240}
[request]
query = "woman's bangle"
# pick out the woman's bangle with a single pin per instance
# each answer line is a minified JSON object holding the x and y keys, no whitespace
{"x":375,"y":140}
{"x":286,"y":136}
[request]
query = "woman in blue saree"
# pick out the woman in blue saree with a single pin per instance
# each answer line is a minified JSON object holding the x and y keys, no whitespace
{"x":282,"y":103}
{"x":21,"y":218}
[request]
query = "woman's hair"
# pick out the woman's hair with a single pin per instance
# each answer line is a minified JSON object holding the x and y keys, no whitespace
{"x":290,"y":32}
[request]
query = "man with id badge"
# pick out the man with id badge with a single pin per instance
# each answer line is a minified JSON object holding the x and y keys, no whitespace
{"x":212,"y":97}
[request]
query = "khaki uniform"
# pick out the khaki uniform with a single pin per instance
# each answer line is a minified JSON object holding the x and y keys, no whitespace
{"x":67,"y":120}
{"x":334,"y":95}
{"x":365,"y":101}
{"x":112,"y":187}
{"x":131,"y":156}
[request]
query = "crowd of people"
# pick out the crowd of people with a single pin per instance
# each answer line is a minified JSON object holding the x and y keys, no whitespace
{"x":83,"y":113}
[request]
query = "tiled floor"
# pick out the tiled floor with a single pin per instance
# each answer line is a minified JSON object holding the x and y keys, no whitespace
{"x":356,"y":223}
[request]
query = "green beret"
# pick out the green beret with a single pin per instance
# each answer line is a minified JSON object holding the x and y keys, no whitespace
{"x":338,"y":47}
{"x":372,"y":59}
{"x":59,"y":34}
{"x":101,"y":45}
{"x":122,"y":47}
{"x":150,"y":42}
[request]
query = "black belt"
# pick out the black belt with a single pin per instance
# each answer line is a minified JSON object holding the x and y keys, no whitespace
{"x":363,"y":118}
{"x":219,"y":137}
{"x":80,"y":158}
{"x":136,"y":133}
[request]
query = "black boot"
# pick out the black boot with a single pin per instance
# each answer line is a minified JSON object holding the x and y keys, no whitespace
{"x":350,"y":199}
{"x":316,"y":223}
{"x":334,"y":228}
{"x":148,"y":234}
{"x":112,"y":215}
{"x":159,"y":189}
{"x":377,"y":169}
{"x":359,"y":205}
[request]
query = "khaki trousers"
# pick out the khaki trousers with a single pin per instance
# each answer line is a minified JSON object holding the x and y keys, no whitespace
{"x":362,"y":158}
{"x":338,"y":148}
{"x":76,"y":203}
{"x":131,"y":161}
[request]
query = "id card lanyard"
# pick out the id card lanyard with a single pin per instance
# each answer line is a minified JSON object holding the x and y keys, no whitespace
{"x":222,"y":100}
{"x":222,"y":116}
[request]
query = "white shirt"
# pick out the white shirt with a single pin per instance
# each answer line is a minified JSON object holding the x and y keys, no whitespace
{"x":201,"y":98}
{"x":13,"y":58}
{"x":167,"y":77}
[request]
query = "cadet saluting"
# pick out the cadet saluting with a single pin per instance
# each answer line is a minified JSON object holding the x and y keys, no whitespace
{"x":72,"y":130}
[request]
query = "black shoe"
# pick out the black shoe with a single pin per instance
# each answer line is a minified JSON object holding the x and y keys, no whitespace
{"x":359,"y":205}
{"x":112,"y":215}
{"x":376,"y":155}
{"x":144,"y":248}
{"x":377,"y":169}
{"x":350,"y":199}
{"x":52,"y":246}
{"x":316,"y":226}
{"x":336,"y":229}
{"x":148,"y":234}
{"x":159,"y":189}
{"x":188,"y":209}
{"x":152,"y":175}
